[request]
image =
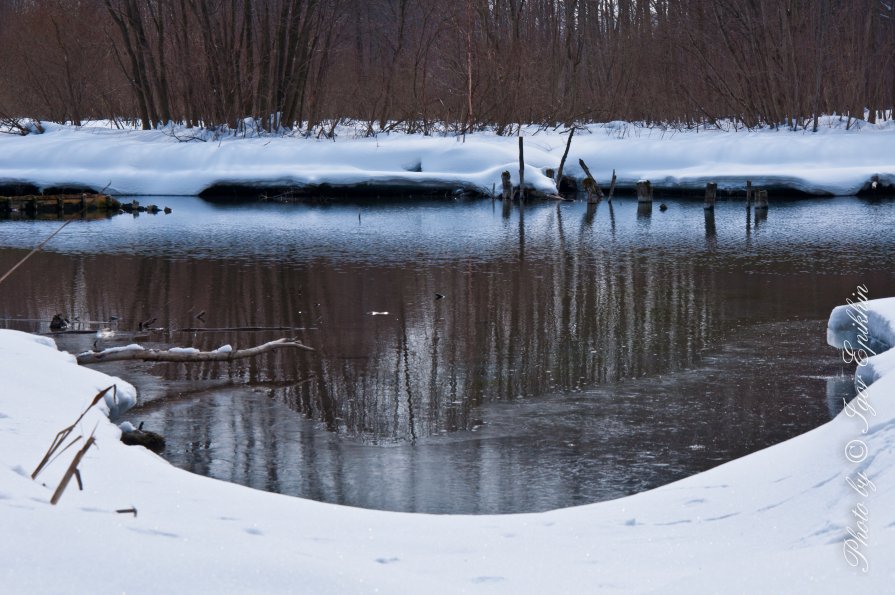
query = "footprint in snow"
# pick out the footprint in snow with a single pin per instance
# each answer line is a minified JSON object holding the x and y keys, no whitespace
{"x":153,"y":532}
{"x":387,"y":560}
{"x":254,"y":531}
{"x":488,"y":579}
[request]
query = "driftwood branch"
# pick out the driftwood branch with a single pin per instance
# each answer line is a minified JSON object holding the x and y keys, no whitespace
{"x":562,"y":162}
{"x":135,"y":352}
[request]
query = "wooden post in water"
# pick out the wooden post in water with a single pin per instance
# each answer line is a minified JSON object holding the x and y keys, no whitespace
{"x":521,"y":171}
{"x":562,"y":162}
{"x":761,"y":199}
{"x":748,"y":193}
{"x":60,"y":204}
{"x":5,"y":206}
{"x":711,"y":192}
{"x":644,"y":191}
{"x":506,"y":185}
{"x":594,"y":192}
{"x":83,"y":203}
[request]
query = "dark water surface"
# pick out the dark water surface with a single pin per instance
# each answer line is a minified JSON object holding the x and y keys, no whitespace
{"x":577,"y":355}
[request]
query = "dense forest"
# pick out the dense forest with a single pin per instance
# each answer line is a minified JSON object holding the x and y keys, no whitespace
{"x":463,"y":65}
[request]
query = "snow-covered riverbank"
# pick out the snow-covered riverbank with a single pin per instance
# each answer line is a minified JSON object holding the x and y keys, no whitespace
{"x":163,"y":162}
{"x":779,"y":520}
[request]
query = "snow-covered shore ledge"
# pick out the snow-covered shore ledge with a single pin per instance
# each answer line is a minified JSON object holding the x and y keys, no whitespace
{"x":833,"y":161}
{"x":777,"y":521}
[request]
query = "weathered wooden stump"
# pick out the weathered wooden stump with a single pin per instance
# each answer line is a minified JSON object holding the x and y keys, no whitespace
{"x":590,"y":184}
{"x":506,"y":185}
{"x":711,"y":193}
{"x":761,"y":199}
{"x":592,"y":189}
{"x":644,"y":191}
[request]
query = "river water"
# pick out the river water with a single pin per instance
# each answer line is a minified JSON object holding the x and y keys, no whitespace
{"x":470,"y":358}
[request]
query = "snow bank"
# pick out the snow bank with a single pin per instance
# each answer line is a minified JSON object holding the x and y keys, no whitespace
{"x":806,"y":516}
{"x":865,"y":332}
{"x":131,"y":162}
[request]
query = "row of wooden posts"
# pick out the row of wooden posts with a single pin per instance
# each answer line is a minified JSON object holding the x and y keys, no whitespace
{"x":754,"y":196}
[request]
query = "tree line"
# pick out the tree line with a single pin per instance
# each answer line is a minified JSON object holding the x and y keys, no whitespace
{"x":426,"y":65}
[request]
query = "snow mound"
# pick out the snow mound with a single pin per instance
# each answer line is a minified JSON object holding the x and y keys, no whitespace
{"x":834,"y":161}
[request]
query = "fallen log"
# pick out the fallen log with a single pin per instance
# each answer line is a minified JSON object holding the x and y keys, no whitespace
{"x":242,"y":329}
{"x":223,"y":354}
{"x":33,"y":204}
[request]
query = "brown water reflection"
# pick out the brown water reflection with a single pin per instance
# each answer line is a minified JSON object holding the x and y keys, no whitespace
{"x":578,"y":353}
{"x":394,"y":362}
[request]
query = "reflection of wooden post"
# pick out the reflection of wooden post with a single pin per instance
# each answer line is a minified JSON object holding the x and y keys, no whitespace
{"x":711,"y":192}
{"x":507,"y":185}
{"x":590,"y":213}
{"x":748,"y":192}
{"x":521,"y":171}
{"x":644,"y":191}
{"x":710,"y":232}
{"x":611,"y":187}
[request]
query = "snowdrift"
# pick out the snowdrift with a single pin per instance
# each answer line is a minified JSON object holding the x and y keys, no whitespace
{"x":833,"y":161}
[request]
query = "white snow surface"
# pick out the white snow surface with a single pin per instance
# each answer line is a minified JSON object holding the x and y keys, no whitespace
{"x":834,"y":160}
{"x":776,"y":521}
{"x":184,"y":350}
